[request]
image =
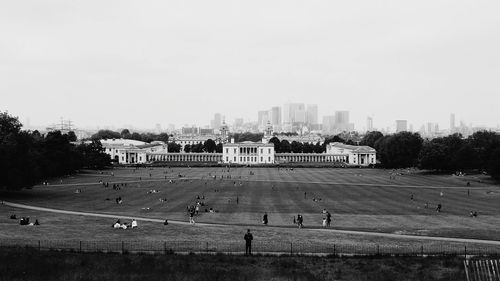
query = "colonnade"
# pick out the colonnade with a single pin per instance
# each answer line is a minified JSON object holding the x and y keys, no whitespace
{"x":185,"y":157}
{"x":310,"y":157}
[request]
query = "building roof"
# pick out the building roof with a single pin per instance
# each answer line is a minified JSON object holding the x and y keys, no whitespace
{"x":250,"y":143}
{"x":123,"y":142}
{"x":354,"y":148}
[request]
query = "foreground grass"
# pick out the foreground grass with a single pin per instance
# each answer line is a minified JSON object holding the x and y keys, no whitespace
{"x":29,"y":264}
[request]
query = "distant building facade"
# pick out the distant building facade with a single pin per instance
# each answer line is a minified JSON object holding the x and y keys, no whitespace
{"x":356,"y":155}
{"x":248,"y":153}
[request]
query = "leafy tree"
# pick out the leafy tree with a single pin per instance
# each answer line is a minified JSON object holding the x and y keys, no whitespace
{"x":370,"y":138}
{"x":72,"y":136}
{"x":173,"y":147}
{"x":464,"y":159}
{"x":93,"y":155}
{"x":318,"y":148}
{"x":285,"y":147}
{"x":162,"y":137}
{"x":187,"y":148}
{"x":218,"y":148}
{"x":125,"y":134}
{"x":307,"y":147}
{"x":484,"y":143}
{"x":296,"y":147}
{"x":209,"y":145}
{"x":198,"y":148}
{"x":9,"y":124}
{"x":276,"y":142}
{"x":106,"y":134}
{"x":434,"y":156}
{"x":400,"y":150}
{"x":493,"y":165}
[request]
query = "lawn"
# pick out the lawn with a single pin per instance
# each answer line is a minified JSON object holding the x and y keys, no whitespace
{"x":359,"y":199}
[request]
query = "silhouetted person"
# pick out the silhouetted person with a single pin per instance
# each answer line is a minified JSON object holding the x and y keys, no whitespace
{"x":264,"y":219}
{"x":248,"y":243}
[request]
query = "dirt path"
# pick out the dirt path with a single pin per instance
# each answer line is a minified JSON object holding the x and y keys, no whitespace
{"x":354,"y":232}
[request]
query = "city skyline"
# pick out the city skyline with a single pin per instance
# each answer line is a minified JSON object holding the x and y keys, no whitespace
{"x":100,"y":69}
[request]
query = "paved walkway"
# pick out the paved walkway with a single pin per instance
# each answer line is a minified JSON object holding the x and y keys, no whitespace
{"x":337,"y":231}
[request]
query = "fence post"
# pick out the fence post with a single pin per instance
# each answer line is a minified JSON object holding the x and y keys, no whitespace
{"x":123,"y":247}
{"x":291,"y":248}
{"x":80,"y":246}
{"x":39,"y":247}
{"x":334,"y":249}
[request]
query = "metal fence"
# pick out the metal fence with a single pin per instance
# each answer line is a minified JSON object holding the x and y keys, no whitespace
{"x":234,"y":247}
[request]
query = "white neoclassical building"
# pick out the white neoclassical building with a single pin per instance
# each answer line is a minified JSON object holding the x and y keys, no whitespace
{"x":355,"y":155}
{"x":126,"y":151}
{"x":248,"y":153}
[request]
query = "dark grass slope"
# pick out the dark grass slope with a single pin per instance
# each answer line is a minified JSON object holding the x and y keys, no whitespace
{"x":29,"y":264}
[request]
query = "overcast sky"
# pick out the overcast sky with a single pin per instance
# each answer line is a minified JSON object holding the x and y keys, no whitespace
{"x":116,"y":63}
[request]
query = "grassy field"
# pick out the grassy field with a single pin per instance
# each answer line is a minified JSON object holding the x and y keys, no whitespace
{"x":359,"y":199}
{"x":28,"y":264}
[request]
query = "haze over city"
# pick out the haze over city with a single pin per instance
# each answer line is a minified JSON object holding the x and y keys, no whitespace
{"x":138,"y":64}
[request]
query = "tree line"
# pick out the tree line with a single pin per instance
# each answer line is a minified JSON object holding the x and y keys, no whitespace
{"x":480,"y":151}
{"x":126,"y":134}
{"x":208,"y":146}
{"x":28,"y":157}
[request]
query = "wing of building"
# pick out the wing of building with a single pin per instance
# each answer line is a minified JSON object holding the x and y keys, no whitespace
{"x":356,"y":155}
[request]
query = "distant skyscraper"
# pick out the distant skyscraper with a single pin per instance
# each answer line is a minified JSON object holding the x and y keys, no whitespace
{"x":342,"y":120}
{"x":238,"y":122}
{"x":275,"y":116}
{"x":369,"y":124}
{"x":401,"y":126}
{"x":263,"y":117}
{"x":217,"y":122}
{"x":294,"y":113}
{"x":158,"y":128}
{"x":452,"y":123}
{"x":328,"y":126}
{"x":312,"y":114}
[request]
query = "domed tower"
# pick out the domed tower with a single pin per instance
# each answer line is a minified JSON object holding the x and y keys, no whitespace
{"x":268,"y":132}
{"x":224,"y":130}
{"x":269,"y":129}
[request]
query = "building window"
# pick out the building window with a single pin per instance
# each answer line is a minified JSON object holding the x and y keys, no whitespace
{"x":235,"y":151}
{"x":261,"y":150}
{"x":227,"y":159}
{"x":269,"y":159}
{"x":227,"y":150}
{"x":122,"y":158}
{"x":234,"y":158}
{"x":261,"y":159}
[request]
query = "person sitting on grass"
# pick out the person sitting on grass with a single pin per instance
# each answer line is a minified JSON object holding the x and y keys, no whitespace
{"x":36,"y":222}
{"x":13,"y":217}
{"x":116,"y":224}
{"x":134,"y":223}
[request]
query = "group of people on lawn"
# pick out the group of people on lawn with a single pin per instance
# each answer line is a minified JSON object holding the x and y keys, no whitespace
{"x":119,"y":225}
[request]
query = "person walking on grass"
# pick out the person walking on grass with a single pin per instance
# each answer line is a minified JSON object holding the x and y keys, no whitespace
{"x":264,"y":219}
{"x":248,"y":243}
